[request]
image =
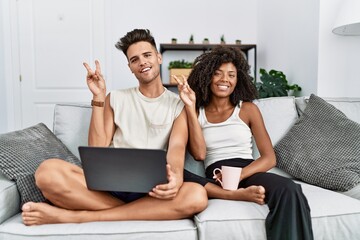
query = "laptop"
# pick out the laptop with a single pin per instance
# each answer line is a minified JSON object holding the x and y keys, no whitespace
{"x":123,"y":169}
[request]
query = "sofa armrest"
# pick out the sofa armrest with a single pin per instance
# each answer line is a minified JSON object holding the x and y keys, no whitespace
{"x":9,"y":198}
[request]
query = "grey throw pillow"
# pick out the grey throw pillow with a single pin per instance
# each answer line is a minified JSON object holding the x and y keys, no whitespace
{"x":21,"y":152}
{"x":322,"y":148}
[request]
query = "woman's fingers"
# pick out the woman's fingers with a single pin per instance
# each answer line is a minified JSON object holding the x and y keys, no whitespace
{"x":179,"y":85}
{"x":177,"y":79}
{"x":182,"y":81}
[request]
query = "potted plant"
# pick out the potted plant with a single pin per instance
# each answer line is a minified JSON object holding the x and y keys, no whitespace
{"x":191,"y":39}
{"x":274,"y":84}
{"x":238,"y":41}
{"x":222,"y":39}
{"x":173,"y":40}
{"x":206,"y":41}
{"x":179,"y":68}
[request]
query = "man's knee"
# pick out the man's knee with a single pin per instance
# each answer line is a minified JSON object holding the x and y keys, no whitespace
{"x":195,"y":198}
{"x":47,"y":173}
{"x":201,"y":198}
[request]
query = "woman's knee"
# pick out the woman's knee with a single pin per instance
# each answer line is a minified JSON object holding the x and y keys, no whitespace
{"x":291,"y":187}
{"x":289,"y":190}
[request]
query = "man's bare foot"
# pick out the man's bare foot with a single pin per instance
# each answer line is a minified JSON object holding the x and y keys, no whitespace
{"x":42,"y":213}
{"x":251,"y":194}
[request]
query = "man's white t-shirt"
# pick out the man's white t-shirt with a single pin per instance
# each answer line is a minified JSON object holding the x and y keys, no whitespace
{"x":143,"y":122}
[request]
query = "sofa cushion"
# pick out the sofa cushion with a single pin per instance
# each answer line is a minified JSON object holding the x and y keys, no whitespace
{"x":334,"y":216}
{"x":354,"y":192}
{"x":22,"y":151}
{"x":322,"y":148}
{"x":279,"y":114}
{"x":349,"y":106}
{"x":245,"y":220}
{"x":9,"y":198}
{"x":14,"y":229}
{"x":194,"y":166}
{"x":71,"y":125}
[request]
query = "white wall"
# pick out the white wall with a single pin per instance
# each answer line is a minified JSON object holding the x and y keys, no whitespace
{"x":10,"y":67}
{"x":292,"y":36}
{"x":236,"y":19}
{"x":339,"y":56}
{"x":288,"y":40}
{"x":3,"y":102}
{"x":296,"y":37}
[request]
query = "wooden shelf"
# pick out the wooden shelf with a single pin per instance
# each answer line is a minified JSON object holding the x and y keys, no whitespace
{"x":206,"y":47}
{"x":201,"y":47}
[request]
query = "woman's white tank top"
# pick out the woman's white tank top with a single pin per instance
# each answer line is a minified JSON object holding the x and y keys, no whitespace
{"x":229,"y":139}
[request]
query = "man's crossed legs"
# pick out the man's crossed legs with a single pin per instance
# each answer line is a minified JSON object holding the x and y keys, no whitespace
{"x":63,"y":184}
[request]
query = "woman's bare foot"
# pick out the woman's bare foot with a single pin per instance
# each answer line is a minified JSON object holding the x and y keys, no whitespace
{"x":251,"y":194}
{"x":43,"y":213}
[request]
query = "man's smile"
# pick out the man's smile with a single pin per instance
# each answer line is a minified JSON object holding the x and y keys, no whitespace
{"x":145,"y":69}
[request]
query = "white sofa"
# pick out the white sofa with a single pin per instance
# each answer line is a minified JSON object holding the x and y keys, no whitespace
{"x":334,"y":215}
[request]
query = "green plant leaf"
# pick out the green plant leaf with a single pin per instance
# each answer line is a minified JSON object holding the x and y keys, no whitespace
{"x":180,"y":64}
{"x":274,"y":84}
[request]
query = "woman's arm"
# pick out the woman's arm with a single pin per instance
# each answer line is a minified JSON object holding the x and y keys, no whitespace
{"x":251,"y":115}
{"x":196,"y":144}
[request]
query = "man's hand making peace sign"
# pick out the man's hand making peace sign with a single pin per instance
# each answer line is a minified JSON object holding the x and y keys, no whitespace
{"x":96,"y":82}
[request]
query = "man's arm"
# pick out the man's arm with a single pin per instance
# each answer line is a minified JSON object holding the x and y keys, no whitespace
{"x":102,"y":126}
{"x":175,"y":159}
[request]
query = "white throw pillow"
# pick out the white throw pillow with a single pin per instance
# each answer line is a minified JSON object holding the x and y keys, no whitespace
{"x":279,"y":114}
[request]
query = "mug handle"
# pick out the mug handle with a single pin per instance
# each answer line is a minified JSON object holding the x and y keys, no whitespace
{"x":215,"y":176}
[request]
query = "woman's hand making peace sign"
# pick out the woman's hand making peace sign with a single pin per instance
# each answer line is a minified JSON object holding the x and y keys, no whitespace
{"x":96,"y":82}
{"x":186,"y":94}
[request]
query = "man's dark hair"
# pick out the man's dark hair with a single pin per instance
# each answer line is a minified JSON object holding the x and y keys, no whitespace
{"x":136,"y":35}
{"x":204,"y":68}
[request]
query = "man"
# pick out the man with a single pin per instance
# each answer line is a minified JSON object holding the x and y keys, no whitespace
{"x":148,"y":116}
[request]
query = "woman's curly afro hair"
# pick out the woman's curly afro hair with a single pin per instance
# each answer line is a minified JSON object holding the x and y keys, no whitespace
{"x":204,"y":68}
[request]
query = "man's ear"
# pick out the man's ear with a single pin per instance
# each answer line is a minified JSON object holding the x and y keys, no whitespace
{"x":159,"y":57}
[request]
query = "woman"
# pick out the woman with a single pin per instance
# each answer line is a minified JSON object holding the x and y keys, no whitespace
{"x":222,"y":120}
